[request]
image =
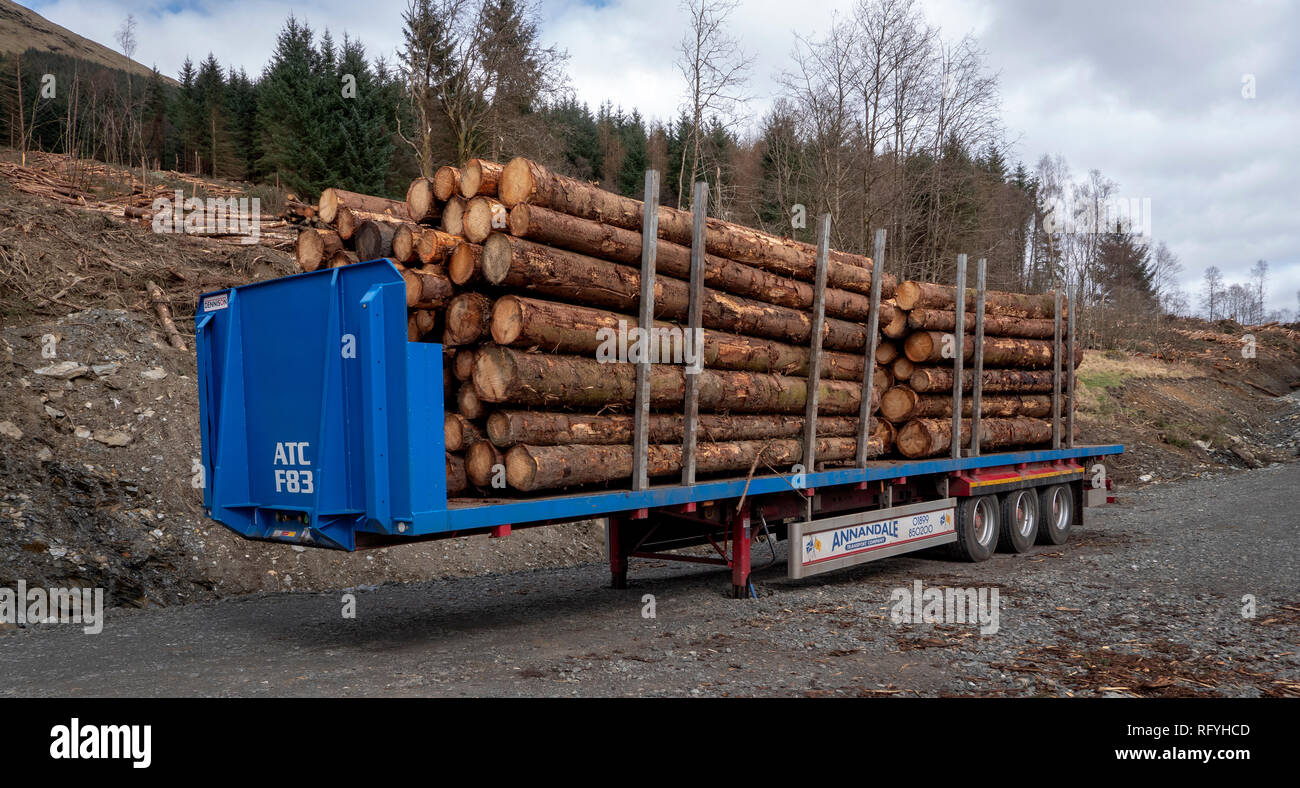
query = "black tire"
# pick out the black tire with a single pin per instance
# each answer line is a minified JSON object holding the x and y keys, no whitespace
{"x":977,"y":528}
{"x":1019,"y":521}
{"x":1055,"y":514}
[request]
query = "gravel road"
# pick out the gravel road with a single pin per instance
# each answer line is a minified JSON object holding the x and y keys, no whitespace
{"x":1147,"y":599}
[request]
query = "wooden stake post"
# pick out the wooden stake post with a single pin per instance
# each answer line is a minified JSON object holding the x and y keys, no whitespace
{"x":645,"y":317}
{"x":694,"y":331}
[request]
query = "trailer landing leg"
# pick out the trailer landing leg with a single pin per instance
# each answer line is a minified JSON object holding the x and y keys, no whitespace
{"x":617,"y":553}
{"x":740,"y":556}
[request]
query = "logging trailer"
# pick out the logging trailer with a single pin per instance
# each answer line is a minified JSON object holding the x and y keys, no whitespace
{"x":333,"y":438}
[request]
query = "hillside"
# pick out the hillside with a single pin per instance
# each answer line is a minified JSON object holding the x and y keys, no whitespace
{"x":22,"y":29}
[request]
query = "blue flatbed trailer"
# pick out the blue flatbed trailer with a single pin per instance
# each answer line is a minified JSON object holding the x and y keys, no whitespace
{"x":322,"y":426}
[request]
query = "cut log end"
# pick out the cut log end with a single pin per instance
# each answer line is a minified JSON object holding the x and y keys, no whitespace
{"x":496,"y":258}
{"x":914,"y":440}
{"x":420,"y":201}
{"x":315,"y":248}
{"x":464,"y":265}
{"x":328,"y":206}
{"x":520,"y":219}
{"x":906,"y":294}
{"x":404,"y":244}
{"x":468,"y":318}
{"x":498,"y":428}
{"x":507,"y":320}
{"x":521,"y":468}
{"x":483,"y":215}
{"x":494,"y":374}
{"x":481,"y":461}
{"x":453,"y":216}
{"x":895,"y":327}
{"x":446,"y":183}
{"x":920,"y":346}
{"x":463,"y":364}
{"x":898,"y":403}
{"x":374,"y":240}
{"x":517,"y":183}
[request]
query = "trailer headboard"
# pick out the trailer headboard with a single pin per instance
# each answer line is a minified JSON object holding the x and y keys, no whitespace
{"x":318,"y":419}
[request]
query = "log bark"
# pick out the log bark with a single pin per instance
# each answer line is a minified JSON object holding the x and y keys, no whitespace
{"x":513,"y":262}
{"x":459,"y":432}
{"x":314,"y":247}
{"x":453,"y":216}
{"x":939,"y":379}
{"x":481,"y":461}
{"x":468,"y":319}
{"x":994,"y":325}
{"x":374,"y":240}
{"x":505,"y":428}
{"x":536,"y":380}
{"x":525,"y":181}
{"x":293,"y":210}
{"x":480,"y":177}
{"x":607,"y":242}
{"x":455,"y":474}
{"x":549,"y":467}
{"x":997,"y":406}
{"x":893,"y":321}
{"x":332,"y":200}
{"x":466,"y":264}
{"x":483,"y":216}
{"x":341,"y":258}
{"x":349,"y":221}
{"x":924,"y":347}
{"x":902,"y":403}
{"x":446,"y":183}
{"x":435,"y":246}
{"x":423,"y":204}
{"x":928,"y":437}
{"x":427,"y":288}
{"x":164,"y":312}
{"x":926,"y":295}
{"x":564,"y":328}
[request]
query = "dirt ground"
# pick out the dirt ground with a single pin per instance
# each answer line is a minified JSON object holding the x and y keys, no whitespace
{"x":1183,"y":589}
{"x":99,"y":442}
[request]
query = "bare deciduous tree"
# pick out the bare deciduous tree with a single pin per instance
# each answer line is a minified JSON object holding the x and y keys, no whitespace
{"x":715,"y":69}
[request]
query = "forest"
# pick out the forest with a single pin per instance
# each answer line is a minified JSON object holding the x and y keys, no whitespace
{"x":882,"y":120}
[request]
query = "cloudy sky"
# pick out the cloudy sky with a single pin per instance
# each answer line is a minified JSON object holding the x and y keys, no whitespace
{"x":1149,"y":92}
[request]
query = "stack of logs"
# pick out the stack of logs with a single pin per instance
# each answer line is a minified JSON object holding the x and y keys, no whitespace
{"x":530,"y":280}
{"x":1017,"y":379}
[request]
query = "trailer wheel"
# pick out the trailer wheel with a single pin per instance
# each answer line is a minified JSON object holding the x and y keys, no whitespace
{"x":1056,"y":511}
{"x":1019,"y":521}
{"x":977,"y":528}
